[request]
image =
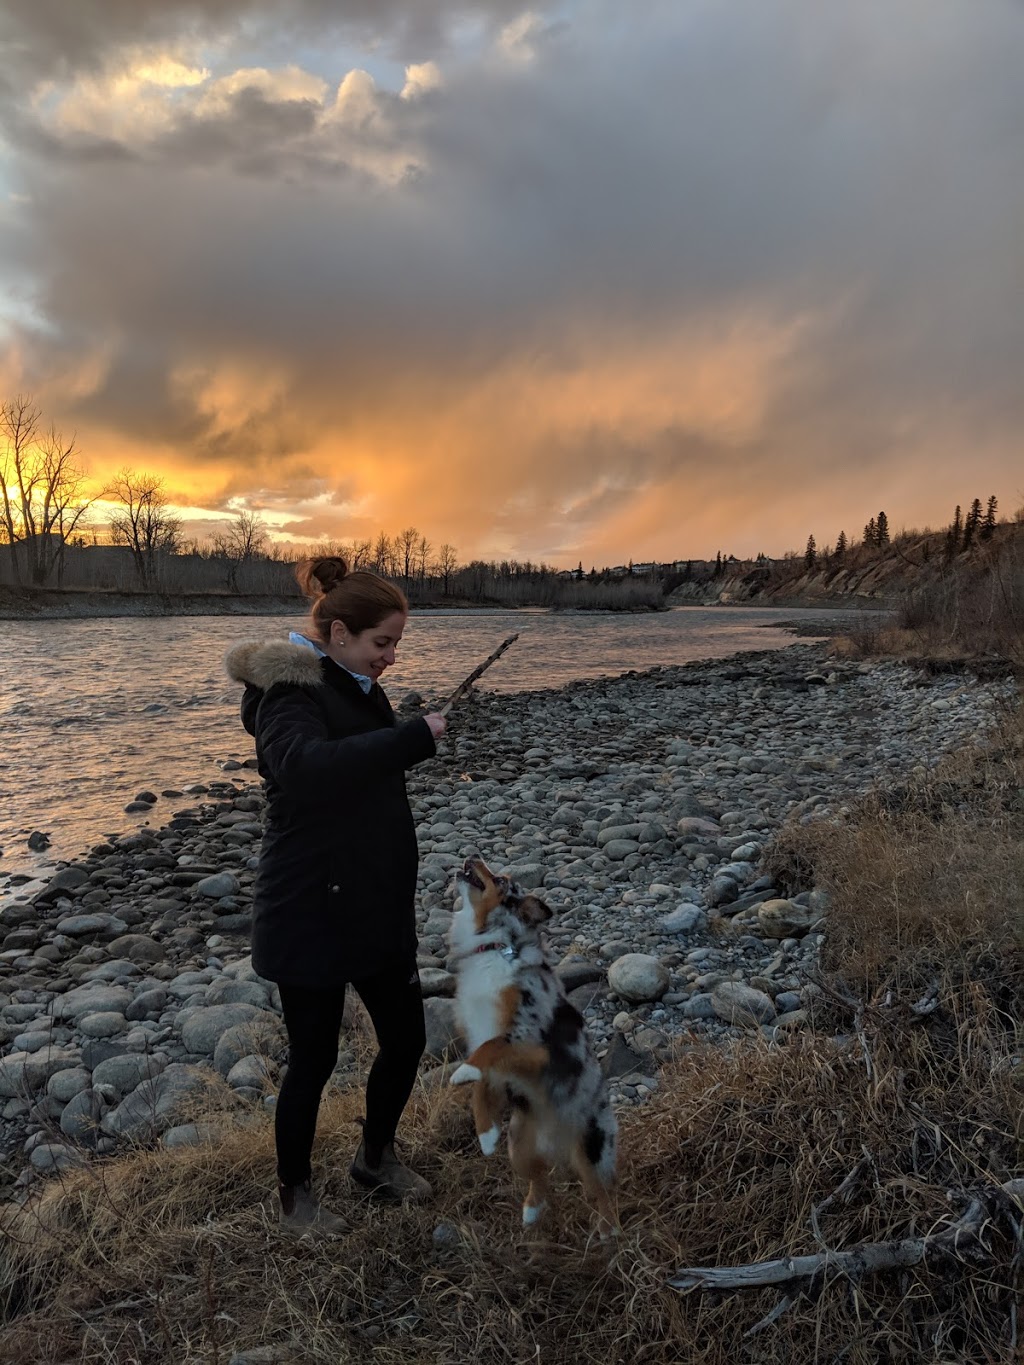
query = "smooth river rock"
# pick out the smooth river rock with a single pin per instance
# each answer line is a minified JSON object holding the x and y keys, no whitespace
{"x":637,"y":977}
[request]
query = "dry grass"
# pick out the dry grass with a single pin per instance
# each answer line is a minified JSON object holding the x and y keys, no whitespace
{"x":171,"y":1257}
{"x":164,"y":1257}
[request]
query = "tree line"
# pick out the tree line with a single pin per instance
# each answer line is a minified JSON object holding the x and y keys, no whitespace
{"x":961,"y":533}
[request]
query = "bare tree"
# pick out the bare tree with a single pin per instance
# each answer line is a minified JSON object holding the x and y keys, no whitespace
{"x":246,"y":539}
{"x":19,"y":422}
{"x":41,"y":487}
{"x":423,"y":549}
{"x":405,"y":545}
{"x":383,"y":555}
{"x":360,"y":554}
{"x":145,"y":523}
{"x":447,"y":563}
{"x":61,"y":507}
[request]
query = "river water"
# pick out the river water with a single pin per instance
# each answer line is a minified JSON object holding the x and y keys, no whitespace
{"x":94,"y":711}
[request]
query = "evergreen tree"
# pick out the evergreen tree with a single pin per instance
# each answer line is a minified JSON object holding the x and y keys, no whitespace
{"x":811,"y":553}
{"x":579,"y":572}
{"x":972,"y":522}
{"x":989,"y":524}
{"x":841,"y":545}
{"x":718,"y":565}
{"x":871,"y":533}
{"x":882,"y":529}
{"x":955,"y":534}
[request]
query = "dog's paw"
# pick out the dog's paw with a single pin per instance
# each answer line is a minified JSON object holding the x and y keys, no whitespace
{"x":464,"y":1074}
{"x":489,"y":1140}
{"x":533,"y":1213}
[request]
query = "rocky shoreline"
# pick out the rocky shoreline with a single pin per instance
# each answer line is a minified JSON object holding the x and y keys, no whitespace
{"x":639,"y":805}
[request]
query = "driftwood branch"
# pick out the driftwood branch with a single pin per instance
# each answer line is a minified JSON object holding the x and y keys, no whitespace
{"x":843,"y":1193}
{"x":467,"y":683}
{"x":783,"y":1306}
{"x":963,"y":1235}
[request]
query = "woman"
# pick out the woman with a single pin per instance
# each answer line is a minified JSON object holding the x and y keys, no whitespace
{"x":333,"y":900}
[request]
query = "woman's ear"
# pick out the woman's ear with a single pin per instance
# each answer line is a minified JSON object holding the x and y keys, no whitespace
{"x":534,"y":911}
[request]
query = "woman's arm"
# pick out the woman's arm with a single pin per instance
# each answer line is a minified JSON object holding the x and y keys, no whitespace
{"x":295,"y":749}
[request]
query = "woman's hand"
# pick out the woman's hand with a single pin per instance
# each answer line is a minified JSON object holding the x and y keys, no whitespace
{"x":437,"y":724}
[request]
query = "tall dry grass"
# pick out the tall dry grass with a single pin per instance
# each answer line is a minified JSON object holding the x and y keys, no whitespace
{"x":912,"y":1077}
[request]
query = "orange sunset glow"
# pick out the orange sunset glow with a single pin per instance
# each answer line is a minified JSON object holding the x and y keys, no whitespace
{"x":566,"y":282}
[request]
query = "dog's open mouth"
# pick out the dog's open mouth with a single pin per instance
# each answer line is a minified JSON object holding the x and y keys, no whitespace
{"x":470,"y":874}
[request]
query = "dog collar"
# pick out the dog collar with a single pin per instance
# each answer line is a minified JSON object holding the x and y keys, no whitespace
{"x":506,"y":950}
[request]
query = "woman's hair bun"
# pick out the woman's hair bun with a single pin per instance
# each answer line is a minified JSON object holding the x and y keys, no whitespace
{"x":319,"y":576}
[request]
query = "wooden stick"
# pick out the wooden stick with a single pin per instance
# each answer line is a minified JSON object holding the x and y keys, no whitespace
{"x":467,"y":683}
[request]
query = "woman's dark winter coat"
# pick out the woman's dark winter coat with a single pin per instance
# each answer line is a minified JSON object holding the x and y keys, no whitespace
{"x":335,"y":887}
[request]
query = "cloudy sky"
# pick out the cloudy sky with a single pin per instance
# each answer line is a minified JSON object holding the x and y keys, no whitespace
{"x":589,"y":280}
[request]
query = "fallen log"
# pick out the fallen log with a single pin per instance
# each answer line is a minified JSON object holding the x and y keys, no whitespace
{"x":868,"y":1257}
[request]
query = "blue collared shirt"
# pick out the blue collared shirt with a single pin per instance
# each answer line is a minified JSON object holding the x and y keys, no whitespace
{"x":296,"y":639}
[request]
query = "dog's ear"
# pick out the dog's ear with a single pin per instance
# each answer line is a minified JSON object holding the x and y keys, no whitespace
{"x":534,"y":911}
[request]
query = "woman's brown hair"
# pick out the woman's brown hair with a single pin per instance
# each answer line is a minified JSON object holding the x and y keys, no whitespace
{"x":360,"y":600}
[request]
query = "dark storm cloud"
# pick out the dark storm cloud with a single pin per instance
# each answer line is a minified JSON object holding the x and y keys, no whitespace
{"x":52,"y":37}
{"x":641,"y":275}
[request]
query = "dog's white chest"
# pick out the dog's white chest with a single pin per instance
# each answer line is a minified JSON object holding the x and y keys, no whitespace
{"x":477,"y":1000}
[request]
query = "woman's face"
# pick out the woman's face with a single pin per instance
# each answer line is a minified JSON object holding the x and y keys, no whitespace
{"x":371,"y":651}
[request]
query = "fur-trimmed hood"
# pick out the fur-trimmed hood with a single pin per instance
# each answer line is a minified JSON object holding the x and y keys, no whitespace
{"x":264,"y":663}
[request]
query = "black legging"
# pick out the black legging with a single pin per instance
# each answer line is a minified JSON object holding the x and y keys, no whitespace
{"x":313,"y":1020}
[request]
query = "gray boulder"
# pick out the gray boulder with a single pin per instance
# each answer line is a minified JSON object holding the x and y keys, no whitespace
{"x":138,"y":948}
{"x":105,"y":1024}
{"x":91,"y":999}
{"x":225,"y":991}
{"x":219,"y":885}
{"x":55,"y":1156}
{"x":722,"y":891}
{"x":90,"y":926}
{"x":684,"y":919}
{"x":739,"y":1004}
{"x":81,"y":1118}
{"x":148,"y":1004}
{"x":191,"y":1135}
{"x":65,"y":1085}
{"x":530,"y":876}
{"x":443,"y":1033}
{"x":125,"y":1073}
{"x":202,"y":1026}
{"x":24,"y":1073}
{"x":785,"y":919}
{"x":156,"y":1104}
{"x":263,"y":1036}
{"x":617,"y":849}
{"x":252,"y":1073}
{"x":638,"y":977}
{"x":436,"y":981}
